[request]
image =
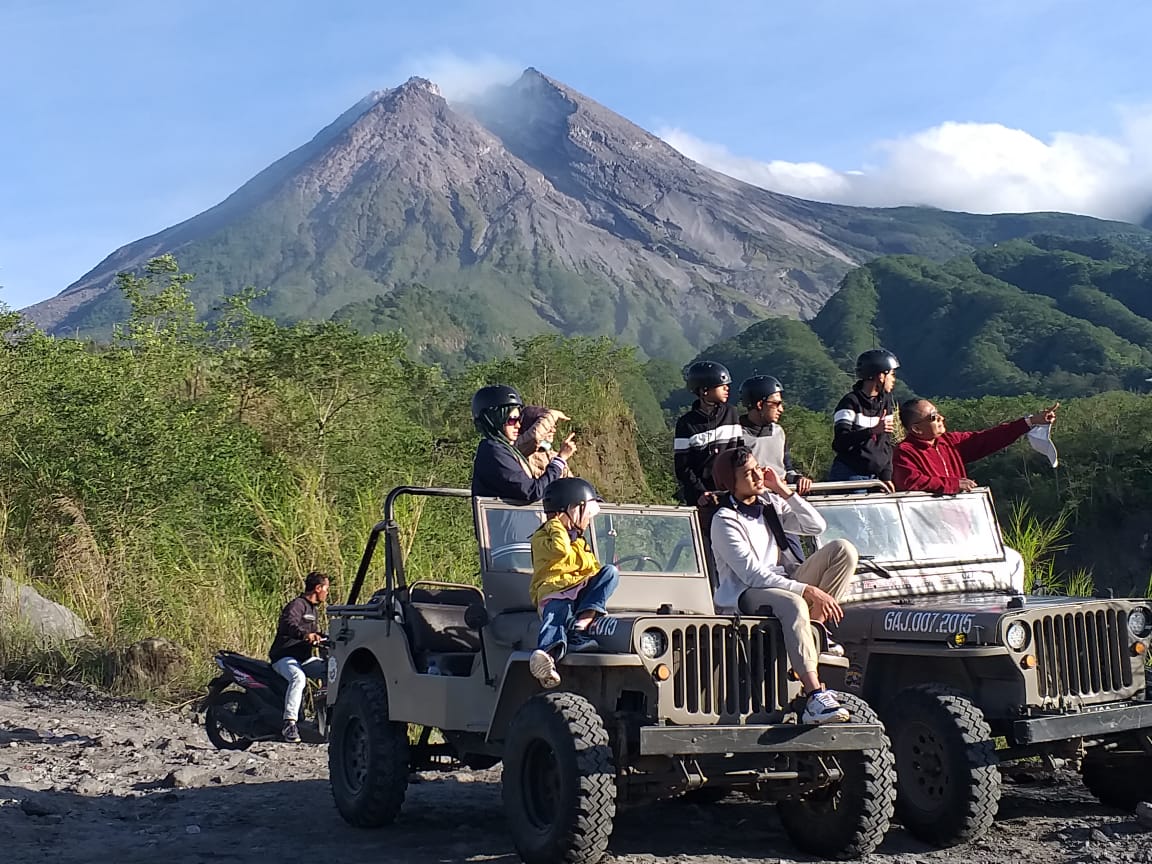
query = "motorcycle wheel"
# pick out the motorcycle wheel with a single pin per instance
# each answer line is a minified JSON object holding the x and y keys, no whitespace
{"x":222,"y":707}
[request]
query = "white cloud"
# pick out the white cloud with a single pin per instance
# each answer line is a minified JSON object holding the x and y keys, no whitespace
{"x":460,"y":78}
{"x":975,"y":167}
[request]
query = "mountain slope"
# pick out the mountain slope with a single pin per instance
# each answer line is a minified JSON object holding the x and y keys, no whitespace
{"x":535,"y":210}
{"x":1054,"y":315}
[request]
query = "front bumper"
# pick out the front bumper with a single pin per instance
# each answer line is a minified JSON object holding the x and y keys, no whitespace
{"x":778,"y":738}
{"x":1086,"y":724}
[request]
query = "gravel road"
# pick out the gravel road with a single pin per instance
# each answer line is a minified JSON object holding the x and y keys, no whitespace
{"x":84,"y":777}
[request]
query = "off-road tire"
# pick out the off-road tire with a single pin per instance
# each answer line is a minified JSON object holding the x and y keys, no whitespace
{"x":948,"y":779}
{"x":217,"y":704}
{"x":559,"y":785}
{"x":1118,"y":779}
{"x":367,"y":756}
{"x":849,"y":818}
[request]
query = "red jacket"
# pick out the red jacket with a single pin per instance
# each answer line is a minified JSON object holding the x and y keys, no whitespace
{"x":938,"y":465}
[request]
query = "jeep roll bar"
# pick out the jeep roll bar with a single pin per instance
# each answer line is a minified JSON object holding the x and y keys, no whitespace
{"x":832,"y":487}
{"x":393,"y":557}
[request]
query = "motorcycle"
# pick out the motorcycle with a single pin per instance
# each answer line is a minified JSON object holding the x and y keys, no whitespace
{"x":245,"y":702}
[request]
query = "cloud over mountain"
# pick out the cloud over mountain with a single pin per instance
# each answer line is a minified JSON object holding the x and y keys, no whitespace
{"x":973,"y":167}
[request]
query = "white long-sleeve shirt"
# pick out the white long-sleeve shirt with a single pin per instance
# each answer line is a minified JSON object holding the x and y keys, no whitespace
{"x":746,"y":552}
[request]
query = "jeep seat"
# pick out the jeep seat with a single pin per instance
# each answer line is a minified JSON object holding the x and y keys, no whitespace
{"x":434,"y":618}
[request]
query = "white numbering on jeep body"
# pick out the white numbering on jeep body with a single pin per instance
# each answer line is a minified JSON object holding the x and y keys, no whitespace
{"x":928,"y":622}
{"x":603,"y":626}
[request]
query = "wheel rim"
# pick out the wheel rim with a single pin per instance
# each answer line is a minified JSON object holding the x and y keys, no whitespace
{"x":231,"y":706}
{"x":540,"y":780}
{"x":922,"y":767}
{"x":355,"y":754}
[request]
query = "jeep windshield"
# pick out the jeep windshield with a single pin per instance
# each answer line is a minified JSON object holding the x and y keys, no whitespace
{"x":921,"y":543}
{"x":637,"y":540}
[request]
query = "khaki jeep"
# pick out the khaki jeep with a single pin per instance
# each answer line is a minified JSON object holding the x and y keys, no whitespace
{"x":675,"y":699}
{"x":970,"y":673}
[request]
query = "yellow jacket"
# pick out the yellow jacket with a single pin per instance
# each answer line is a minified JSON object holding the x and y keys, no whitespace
{"x":557,"y":562}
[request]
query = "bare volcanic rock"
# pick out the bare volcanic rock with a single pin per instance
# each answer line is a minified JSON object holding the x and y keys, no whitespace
{"x":532,"y":210}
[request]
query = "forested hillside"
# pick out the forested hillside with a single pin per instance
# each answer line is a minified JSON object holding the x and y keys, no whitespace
{"x":181,"y":480}
{"x":1052,"y":315}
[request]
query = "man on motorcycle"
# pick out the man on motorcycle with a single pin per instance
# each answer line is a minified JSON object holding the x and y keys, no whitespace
{"x":291,"y":651}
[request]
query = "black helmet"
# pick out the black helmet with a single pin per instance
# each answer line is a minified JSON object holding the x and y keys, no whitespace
{"x":872,"y":363}
{"x":759,"y":387}
{"x":567,"y":491}
{"x":704,"y":374}
{"x":494,"y":396}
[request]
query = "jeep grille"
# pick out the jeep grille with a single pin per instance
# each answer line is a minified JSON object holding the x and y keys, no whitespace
{"x":727,"y":672}
{"x":1083,"y":653}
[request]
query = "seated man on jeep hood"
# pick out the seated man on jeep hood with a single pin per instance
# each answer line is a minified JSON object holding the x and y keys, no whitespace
{"x":748,"y":536}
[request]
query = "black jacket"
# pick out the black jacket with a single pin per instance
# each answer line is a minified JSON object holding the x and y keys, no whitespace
{"x":857,"y":437}
{"x":700,"y":434}
{"x":297,"y":620}
{"x":497,"y":472}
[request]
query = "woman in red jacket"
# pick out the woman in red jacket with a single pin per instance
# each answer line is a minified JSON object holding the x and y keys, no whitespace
{"x":932,"y":459}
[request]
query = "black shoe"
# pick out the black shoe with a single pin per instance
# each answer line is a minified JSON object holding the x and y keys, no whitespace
{"x":290,"y":733}
{"x":579,"y":641}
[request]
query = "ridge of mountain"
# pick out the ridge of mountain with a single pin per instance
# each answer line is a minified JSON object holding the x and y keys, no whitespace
{"x":534,"y":209}
{"x":1051,"y":315}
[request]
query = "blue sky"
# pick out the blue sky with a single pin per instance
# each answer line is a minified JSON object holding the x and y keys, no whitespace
{"x":122,"y":117}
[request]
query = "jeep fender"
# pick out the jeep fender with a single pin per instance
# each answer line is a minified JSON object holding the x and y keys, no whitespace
{"x":517,"y":685}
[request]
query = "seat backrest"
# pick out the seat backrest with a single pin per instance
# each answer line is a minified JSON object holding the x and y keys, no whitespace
{"x":434,"y":617}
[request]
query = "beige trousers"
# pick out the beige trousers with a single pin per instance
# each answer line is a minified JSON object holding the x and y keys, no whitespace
{"x":830,"y":569}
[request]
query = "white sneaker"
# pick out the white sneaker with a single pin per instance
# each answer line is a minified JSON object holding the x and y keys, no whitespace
{"x":822,"y":707}
{"x":543,"y":669}
{"x":834,"y":648}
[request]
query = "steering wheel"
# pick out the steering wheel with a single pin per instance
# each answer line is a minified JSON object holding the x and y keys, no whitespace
{"x":641,"y":562}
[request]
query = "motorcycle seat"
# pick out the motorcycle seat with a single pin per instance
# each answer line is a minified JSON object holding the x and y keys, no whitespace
{"x":249,"y":664}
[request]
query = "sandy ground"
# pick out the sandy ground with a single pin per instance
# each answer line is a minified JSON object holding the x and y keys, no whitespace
{"x":84,"y":777}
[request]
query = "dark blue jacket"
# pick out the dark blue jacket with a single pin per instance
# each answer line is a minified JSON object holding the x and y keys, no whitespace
{"x":498,"y":473}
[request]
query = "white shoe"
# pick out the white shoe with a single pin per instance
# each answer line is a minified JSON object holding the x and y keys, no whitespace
{"x":543,"y":669}
{"x":823,"y":707}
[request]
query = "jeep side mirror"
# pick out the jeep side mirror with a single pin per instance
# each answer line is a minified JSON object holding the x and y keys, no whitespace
{"x":476,"y":617}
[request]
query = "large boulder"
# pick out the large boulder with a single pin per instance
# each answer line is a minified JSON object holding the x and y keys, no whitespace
{"x":48,"y":621}
{"x":148,"y":664}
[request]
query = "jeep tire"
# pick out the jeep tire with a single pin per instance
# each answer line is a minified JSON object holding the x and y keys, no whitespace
{"x":559,"y":785}
{"x":849,"y":818}
{"x":948,"y":782}
{"x":367,"y":756}
{"x":1120,"y":779}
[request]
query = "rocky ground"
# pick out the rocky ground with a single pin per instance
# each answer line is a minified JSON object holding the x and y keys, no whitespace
{"x":84,"y":777}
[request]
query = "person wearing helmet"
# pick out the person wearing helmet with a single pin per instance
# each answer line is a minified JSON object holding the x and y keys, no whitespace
{"x":499,"y":470}
{"x":763,"y":397}
{"x":569,"y":586}
{"x":710,"y":426}
{"x":864,"y":421}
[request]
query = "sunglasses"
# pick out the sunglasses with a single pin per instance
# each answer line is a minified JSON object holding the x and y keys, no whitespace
{"x":514,"y":420}
{"x":932,"y":418}
{"x":773,"y":403}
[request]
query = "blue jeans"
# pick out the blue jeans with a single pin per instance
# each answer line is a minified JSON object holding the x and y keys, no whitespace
{"x":557,"y":616}
{"x":841,"y":473}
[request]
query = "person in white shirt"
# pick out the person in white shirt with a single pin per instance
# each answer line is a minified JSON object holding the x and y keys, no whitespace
{"x":747,"y":539}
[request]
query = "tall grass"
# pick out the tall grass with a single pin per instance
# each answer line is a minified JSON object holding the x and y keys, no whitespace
{"x":1038,"y":541}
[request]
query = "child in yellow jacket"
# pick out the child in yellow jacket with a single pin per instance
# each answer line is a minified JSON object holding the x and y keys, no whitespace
{"x":569,"y":587}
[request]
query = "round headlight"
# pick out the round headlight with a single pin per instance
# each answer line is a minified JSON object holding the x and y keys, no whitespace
{"x":1139,"y":622}
{"x":653,"y":643}
{"x":1016,"y":635}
